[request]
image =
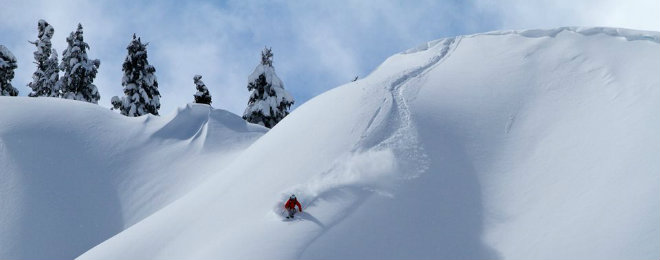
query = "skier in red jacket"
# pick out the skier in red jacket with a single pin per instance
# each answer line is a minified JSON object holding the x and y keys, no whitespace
{"x":291,"y":204}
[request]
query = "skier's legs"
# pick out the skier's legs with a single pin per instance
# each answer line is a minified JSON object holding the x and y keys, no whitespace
{"x":291,"y":212}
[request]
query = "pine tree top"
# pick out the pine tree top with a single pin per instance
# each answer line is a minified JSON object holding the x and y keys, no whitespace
{"x":197,"y":79}
{"x":141,"y":95}
{"x":269,"y":102}
{"x":202,"y":96}
{"x":43,"y":44}
{"x":136,"y":41}
{"x":7,"y":59}
{"x":77,"y":48}
{"x":136,"y":60}
{"x":6,"y":55}
{"x":77,"y":44}
{"x":46,"y":76}
{"x":46,"y":31}
{"x":267,"y":57}
{"x":78,"y":34}
{"x":79,"y":70}
{"x":7,"y":66}
{"x":136,"y":51}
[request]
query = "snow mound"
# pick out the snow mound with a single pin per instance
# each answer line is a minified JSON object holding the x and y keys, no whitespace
{"x":528,"y":144}
{"x":74,"y":174}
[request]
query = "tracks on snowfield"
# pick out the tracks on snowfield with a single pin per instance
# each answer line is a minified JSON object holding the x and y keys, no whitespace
{"x":397,"y":130}
{"x":390,"y":131}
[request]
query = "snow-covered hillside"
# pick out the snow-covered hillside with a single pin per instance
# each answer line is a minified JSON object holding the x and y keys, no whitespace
{"x":538,"y":144}
{"x":74,"y":174}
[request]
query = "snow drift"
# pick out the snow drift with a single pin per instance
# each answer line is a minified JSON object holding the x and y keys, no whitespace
{"x":74,"y":174}
{"x":521,"y":144}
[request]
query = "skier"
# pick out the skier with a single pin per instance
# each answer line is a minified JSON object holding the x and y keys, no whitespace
{"x":290,"y":206}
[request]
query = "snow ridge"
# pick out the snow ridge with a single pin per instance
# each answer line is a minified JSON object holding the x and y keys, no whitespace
{"x":628,"y":34}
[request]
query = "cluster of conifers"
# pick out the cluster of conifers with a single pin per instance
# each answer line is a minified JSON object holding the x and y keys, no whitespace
{"x":268,"y":104}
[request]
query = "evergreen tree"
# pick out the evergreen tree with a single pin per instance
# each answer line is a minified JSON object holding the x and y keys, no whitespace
{"x":141,"y":94}
{"x":79,"y":71}
{"x":44,"y":79}
{"x":269,"y":103}
{"x":7,"y":67}
{"x":202,"y":96}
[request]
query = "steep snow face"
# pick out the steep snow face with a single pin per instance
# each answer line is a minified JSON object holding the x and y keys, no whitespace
{"x":562,"y":138}
{"x":74,"y":174}
{"x":525,"y":144}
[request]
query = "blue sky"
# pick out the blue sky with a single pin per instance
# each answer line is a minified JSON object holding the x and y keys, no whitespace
{"x":318,"y":45}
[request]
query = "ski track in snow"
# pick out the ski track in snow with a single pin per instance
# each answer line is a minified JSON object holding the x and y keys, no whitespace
{"x":404,"y":137}
{"x":397,"y":135}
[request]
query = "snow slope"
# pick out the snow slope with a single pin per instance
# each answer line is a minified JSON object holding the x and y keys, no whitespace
{"x":74,"y":174}
{"x":538,"y":144}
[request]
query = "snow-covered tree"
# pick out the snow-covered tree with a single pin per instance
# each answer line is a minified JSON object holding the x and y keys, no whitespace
{"x":269,"y":103}
{"x":202,"y":96}
{"x":44,"y":79}
{"x":7,"y":67}
{"x":141,"y":94}
{"x":79,"y":71}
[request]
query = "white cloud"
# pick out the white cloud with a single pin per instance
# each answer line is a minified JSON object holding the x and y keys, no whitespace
{"x":520,"y":14}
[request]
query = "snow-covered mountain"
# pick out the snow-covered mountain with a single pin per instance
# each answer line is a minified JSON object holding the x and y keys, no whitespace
{"x":519,"y":144}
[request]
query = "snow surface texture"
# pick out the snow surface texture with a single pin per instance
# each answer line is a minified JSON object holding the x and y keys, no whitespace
{"x":538,"y":144}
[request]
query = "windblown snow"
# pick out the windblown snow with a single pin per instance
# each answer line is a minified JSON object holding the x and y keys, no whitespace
{"x":537,"y":144}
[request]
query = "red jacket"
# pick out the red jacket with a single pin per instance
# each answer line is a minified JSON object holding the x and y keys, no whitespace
{"x":292,"y":203}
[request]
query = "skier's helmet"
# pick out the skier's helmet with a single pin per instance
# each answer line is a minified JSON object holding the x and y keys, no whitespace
{"x":293,"y":197}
